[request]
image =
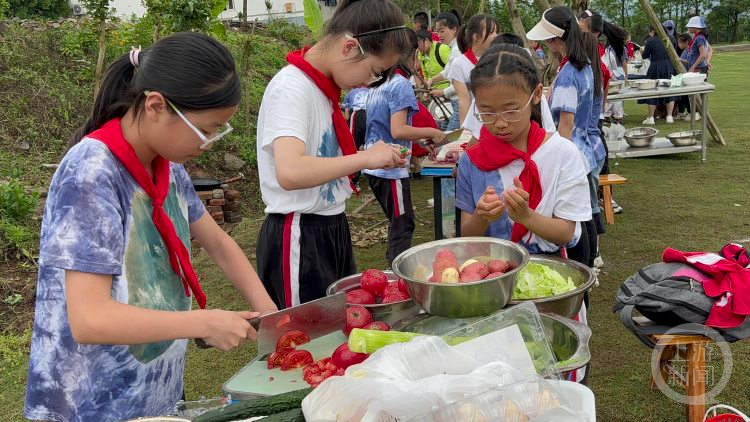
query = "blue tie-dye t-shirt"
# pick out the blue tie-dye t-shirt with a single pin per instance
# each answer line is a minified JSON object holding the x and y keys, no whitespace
{"x":573,"y":92}
{"x":98,"y":220}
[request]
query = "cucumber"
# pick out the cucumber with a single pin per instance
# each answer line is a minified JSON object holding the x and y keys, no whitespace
{"x":260,"y":407}
{"x":294,"y":415}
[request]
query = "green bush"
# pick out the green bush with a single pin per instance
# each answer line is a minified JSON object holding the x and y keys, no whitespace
{"x":15,"y":203}
{"x":51,"y":9}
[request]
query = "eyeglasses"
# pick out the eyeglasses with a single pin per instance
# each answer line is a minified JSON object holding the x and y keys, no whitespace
{"x":205,"y":140}
{"x":374,"y":77}
{"x":510,"y":116}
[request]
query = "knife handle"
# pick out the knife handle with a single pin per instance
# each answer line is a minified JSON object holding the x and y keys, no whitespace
{"x":201,"y":343}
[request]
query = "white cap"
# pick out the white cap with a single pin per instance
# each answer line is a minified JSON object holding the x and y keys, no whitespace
{"x":696,"y":22}
{"x":544,"y":30}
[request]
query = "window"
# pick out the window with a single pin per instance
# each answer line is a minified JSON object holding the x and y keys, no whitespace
{"x":230,"y":5}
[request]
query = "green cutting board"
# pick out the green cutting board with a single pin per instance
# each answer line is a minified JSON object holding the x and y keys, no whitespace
{"x":256,"y":379}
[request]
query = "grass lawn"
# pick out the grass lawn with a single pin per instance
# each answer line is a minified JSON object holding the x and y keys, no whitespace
{"x":669,"y":201}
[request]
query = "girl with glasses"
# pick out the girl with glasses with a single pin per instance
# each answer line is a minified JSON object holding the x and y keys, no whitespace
{"x":115,"y":286}
{"x":306,"y":154}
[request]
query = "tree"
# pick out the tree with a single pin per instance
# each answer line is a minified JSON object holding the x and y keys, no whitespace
{"x":26,"y":9}
{"x":186,"y":15}
{"x":98,"y":10}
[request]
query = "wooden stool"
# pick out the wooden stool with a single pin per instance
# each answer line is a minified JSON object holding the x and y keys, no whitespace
{"x":694,"y":381}
{"x":606,"y":181}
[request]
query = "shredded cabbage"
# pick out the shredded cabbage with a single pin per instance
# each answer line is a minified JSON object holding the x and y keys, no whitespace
{"x":538,"y":280}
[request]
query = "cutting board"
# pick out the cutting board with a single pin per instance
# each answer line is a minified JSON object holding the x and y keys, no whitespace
{"x":256,"y":379}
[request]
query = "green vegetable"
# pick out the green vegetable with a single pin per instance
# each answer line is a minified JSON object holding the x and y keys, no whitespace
{"x":368,"y":341}
{"x":538,"y":280}
{"x":294,"y":415}
{"x":261,"y":407}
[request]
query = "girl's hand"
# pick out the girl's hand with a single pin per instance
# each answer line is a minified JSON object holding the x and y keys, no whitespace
{"x":437,"y":93}
{"x":384,"y":156}
{"x":226,"y":330}
{"x":490,"y":207}
{"x":437,"y":137}
{"x":517,"y":202}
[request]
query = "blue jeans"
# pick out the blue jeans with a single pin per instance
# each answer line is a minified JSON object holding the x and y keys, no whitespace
{"x":454,"y":122}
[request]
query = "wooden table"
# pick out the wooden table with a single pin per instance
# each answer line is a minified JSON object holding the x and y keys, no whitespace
{"x":662,"y":145}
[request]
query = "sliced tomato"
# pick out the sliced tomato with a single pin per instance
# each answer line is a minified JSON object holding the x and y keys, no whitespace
{"x":340,"y":371}
{"x":292,"y":339}
{"x":276,"y":358}
{"x":296,"y":359}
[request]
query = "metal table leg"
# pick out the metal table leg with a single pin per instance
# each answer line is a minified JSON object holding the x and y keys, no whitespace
{"x":437,"y":195}
{"x":704,"y":134}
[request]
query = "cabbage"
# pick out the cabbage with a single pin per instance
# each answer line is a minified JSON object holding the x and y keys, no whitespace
{"x":538,"y":280}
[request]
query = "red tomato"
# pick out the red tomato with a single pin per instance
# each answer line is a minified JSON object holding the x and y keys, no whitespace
{"x":292,"y":339}
{"x":395,"y":297}
{"x":373,"y":281}
{"x":402,"y":286}
{"x":360,"y":297}
{"x":377,"y":325}
{"x":356,"y":317}
{"x":296,"y":359}
{"x":343,"y":357}
{"x":391,"y":288}
{"x":276,"y":358}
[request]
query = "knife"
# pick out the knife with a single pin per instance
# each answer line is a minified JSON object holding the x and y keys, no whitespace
{"x":316,"y":318}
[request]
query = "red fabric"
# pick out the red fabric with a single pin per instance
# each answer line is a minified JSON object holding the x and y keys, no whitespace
{"x":435,"y":37}
{"x":394,"y":197}
{"x":631,"y":50}
{"x":729,"y":283}
{"x":491,"y":153}
{"x":333,"y":93}
{"x":471,"y":56}
{"x":562,"y":63}
{"x":286,"y":263}
{"x":423,"y":118}
{"x":110,"y":134}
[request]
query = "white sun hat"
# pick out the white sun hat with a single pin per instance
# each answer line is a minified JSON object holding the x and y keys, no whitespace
{"x":544,"y":30}
{"x":696,"y":22}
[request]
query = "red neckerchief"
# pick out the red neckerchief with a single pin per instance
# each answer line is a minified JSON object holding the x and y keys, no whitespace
{"x":690,"y":45}
{"x":562,"y":63}
{"x":110,"y":134}
{"x":491,"y":153}
{"x":472,"y":58}
{"x":329,"y":88}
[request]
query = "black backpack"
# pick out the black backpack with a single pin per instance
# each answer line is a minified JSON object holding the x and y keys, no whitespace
{"x":437,"y":55}
{"x":669,"y":300}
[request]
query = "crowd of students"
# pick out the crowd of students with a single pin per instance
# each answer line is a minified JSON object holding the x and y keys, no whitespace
{"x":113,"y":308}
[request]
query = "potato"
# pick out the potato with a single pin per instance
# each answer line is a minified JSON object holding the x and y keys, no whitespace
{"x":474,"y":272}
{"x":467,"y":263}
{"x":498,"y":266}
{"x":443,"y":260}
{"x":450,"y":275}
{"x":493,"y":275}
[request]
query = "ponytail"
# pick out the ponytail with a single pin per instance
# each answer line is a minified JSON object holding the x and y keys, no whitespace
{"x":563,"y":18}
{"x":481,"y":25}
{"x":450,"y":19}
{"x":616,"y":38}
{"x":591,"y":44}
{"x":193,"y":71}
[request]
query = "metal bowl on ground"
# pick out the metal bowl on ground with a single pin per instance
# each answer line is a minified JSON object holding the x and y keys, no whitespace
{"x":566,"y":304}
{"x":643,"y":84}
{"x":684,"y":138}
{"x":640,"y":137}
{"x":460,"y":300}
{"x":569,"y":339}
{"x":386,"y":312}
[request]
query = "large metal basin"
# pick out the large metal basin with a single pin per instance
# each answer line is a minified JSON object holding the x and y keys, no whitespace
{"x":388,"y":312}
{"x":566,"y":304}
{"x":569,"y":339}
{"x":460,"y":300}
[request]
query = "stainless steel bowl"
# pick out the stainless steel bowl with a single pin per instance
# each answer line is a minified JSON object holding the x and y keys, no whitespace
{"x":615,"y":87}
{"x":643,"y":84}
{"x":685,"y":138}
{"x":640,"y":137}
{"x":569,"y":339}
{"x":460,"y":300}
{"x":632,"y":83}
{"x":566,"y":304}
{"x":388,"y":312}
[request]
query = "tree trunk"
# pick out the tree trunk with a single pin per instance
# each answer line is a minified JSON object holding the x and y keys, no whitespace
{"x":244,"y":15}
{"x":515,"y":21}
{"x":579,"y":6}
{"x":735,"y":24}
{"x":662,"y":34}
{"x":554,"y":3}
{"x":100,"y":58}
{"x":481,"y":6}
{"x":541,"y":5}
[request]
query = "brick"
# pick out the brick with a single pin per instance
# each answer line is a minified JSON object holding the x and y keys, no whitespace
{"x":218,"y":194}
{"x":233,"y":207}
{"x":216,"y":202}
{"x":231,"y":194}
{"x":213,"y":208}
{"x":206,"y":195}
{"x":218,"y":216}
{"x":235,"y":219}
{"x":228,"y":214}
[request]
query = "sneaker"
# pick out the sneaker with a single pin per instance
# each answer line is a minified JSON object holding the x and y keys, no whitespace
{"x":598,"y":262}
{"x":688,"y":117}
{"x":697,"y":116}
{"x":670,"y":119}
{"x":431,"y":203}
{"x":616,"y":208}
{"x":649,"y":121}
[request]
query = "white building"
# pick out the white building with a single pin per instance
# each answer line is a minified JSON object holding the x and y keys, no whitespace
{"x":291,"y":10}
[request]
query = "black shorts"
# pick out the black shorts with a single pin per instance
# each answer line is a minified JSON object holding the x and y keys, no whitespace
{"x":359,"y":127}
{"x":300,"y":255}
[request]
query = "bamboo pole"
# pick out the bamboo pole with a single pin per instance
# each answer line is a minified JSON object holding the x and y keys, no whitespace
{"x":713,"y":129}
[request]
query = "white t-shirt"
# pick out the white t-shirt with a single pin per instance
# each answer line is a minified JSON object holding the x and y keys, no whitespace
{"x":294,"y":106}
{"x":474,"y":125}
{"x":610,"y":61}
{"x":460,"y":71}
{"x":564,"y":183}
{"x":450,"y":92}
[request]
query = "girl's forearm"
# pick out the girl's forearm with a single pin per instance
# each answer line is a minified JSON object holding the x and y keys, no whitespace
{"x":473,"y":225}
{"x":551,"y":229}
